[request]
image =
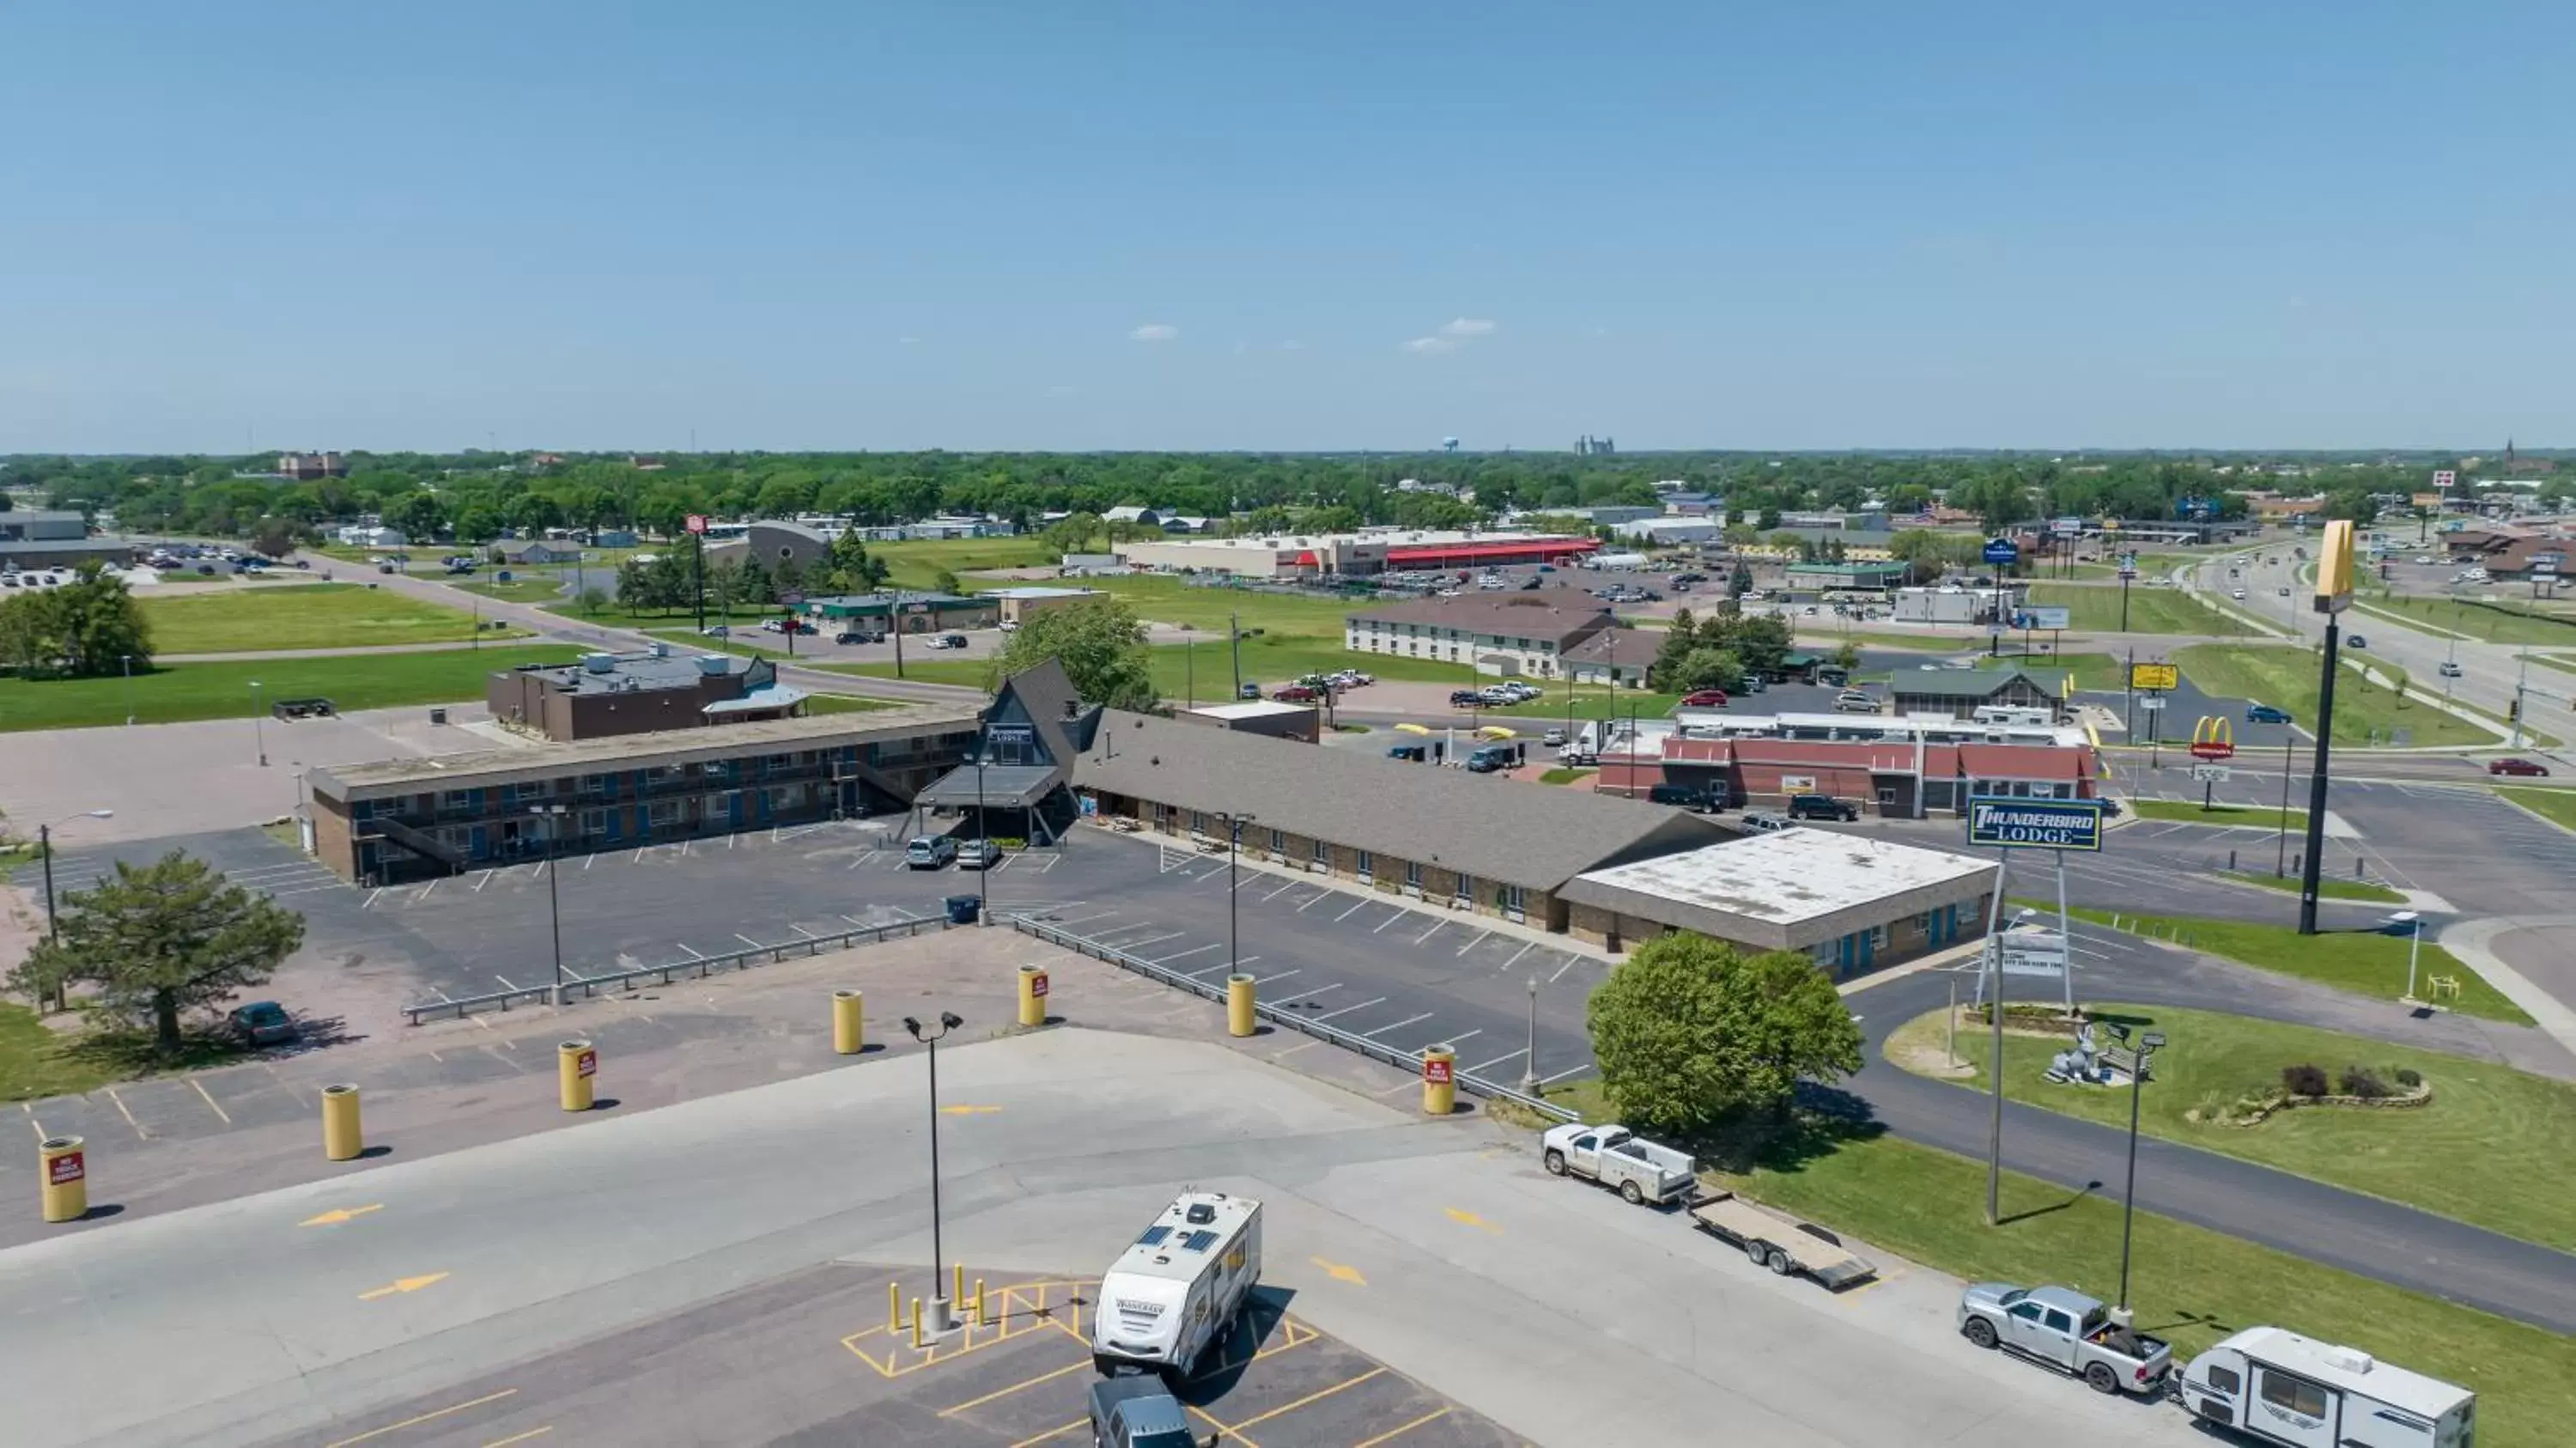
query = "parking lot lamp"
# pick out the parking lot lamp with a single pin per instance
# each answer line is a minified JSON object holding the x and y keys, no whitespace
{"x":2148,"y":1045}
{"x":2413,"y":920}
{"x":553,"y":814}
{"x":983,"y":857}
{"x":1529,"y":1058}
{"x":257,"y":735}
{"x":45,"y":853}
{"x":1234,"y":824}
{"x":940,"y":1306}
{"x":128,"y":660}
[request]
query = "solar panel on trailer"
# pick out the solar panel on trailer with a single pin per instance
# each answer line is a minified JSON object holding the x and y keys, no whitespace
{"x":1154,"y":1236}
{"x":1199,"y":1241}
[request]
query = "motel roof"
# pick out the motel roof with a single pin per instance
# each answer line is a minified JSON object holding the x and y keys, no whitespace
{"x":1786,"y":890}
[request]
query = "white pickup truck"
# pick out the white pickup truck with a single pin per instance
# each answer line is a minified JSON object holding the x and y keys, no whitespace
{"x":1614,"y":1156}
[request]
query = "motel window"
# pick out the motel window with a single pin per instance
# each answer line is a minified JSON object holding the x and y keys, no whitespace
{"x":455,"y":798}
{"x":1278,"y":842}
{"x":594,"y":821}
{"x":1466,"y":888}
{"x":1198,"y":822}
{"x":1367,"y":864}
{"x":594,"y":784}
{"x":665,"y":812}
{"x":1323,"y":853}
{"x":1512,"y":899}
{"x":1878,"y":937}
{"x":1413,"y":873}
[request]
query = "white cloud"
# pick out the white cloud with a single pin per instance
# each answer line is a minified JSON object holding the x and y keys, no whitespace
{"x":1468,"y":327}
{"x":1430,"y":344}
{"x":1155,"y":332}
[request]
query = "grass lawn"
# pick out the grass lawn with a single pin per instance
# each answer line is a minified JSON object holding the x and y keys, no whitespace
{"x":2558,"y":806}
{"x":845,"y":704}
{"x":307,"y":616}
{"x":934,"y":669}
{"x":2328,"y":888}
{"x":2095,"y":609}
{"x":2191,"y":1286}
{"x":519,"y":590}
{"x":2190,"y":812}
{"x":1565,"y":776}
{"x":177,"y":692}
{"x":33,"y":1063}
{"x":1938,"y":643}
{"x":1164,"y":599}
{"x":698,"y":643}
{"x":2472,"y":618}
{"x":2366,"y":963}
{"x":917,"y":564}
{"x":616,"y":615}
{"x":2287,"y":677}
{"x":2442,"y":1157}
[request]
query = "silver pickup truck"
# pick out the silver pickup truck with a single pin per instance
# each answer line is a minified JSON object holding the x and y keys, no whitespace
{"x":2068,"y":1331}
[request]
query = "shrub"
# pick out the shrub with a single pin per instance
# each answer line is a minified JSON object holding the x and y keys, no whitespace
{"x":2409,"y":1077}
{"x":2304,"y":1080}
{"x":2363,"y":1082}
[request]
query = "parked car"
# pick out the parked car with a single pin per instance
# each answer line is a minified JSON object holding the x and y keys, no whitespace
{"x":2068,"y":1331}
{"x":1248,"y":690}
{"x":717,"y":631}
{"x":1466,"y":698}
{"x":929,"y":852}
{"x":1822,"y":807}
{"x":2447,"y":669}
{"x":1488,"y":758}
{"x":1411,"y":753}
{"x":1552,"y":738}
{"x":949,"y":641}
{"x":1853,"y":701}
{"x":1704,"y":699}
{"x":1137,"y":1410}
{"x":1687,"y":796}
{"x":978,"y":855}
{"x":2266,"y":714}
{"x":262,"y":1023}
{"x":1765,"y":820}
{"x":2356,"y":642}
{"x":1293,"y":694}
{"x":1614,"y":1156}
{"x":2522,"y":767}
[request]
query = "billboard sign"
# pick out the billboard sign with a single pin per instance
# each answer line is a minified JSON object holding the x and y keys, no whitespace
{"x":2066,"y":527}
{"x":2445,"y":479}
{"x":2045,"y":618}
{"x":2155,"y":676}
{"x":2210,"y":773}
{"x":2002,"y":552}
{"x":2041,"y":824}
{"x":2032,"y":952}
{"x":697,"y":522}
{"x":2334,"y":567}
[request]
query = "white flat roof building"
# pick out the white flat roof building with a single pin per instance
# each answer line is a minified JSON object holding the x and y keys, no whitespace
{"x":1293,"y":555}
{"x":1796,"y":889}
{"x":1252,"y":709}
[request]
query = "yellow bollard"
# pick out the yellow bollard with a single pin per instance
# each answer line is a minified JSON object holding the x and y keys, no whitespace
{"x":957,"y":1282}
{"x":64,"y":1186}
{"x":342,"y":1140}
{"x":980,"y":1319}
{"x":849,"y":1022}
{"x":1439,"y":1080}
{"x":576,"y":1072}
{"x":916,"y":1322}
{"x":1033,"y":995}
{"x":894,"y":1308}
{"x":1238,"y":1005}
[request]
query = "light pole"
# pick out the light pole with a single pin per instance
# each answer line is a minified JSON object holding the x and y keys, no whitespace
{"x":1234,"y":824}
{"x":940,"y":1306}
{"x":554,"y":817}
{"x":2281,"y":848}
{"x":128,"y":660}
{"x":257,"y":735}
{"x":1529,"y":1057}
{"x":983,"y":846}
{"x":2413,"y":920}
{"x":2148,"y":1045}
{"x":45,"y":852}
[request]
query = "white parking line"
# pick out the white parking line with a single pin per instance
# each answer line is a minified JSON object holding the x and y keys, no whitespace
{"x":371,"y":898}
{"x":1078,"y":919}
{"x":747,"y":940}
{"x":1282,"y":890}
{"x":308,"y":889}
{"x":1453,"y":1040}
{"x":1276,"y":975}
{"x":1561,"y":1075}
{"x":1498,"y":1060}
{"x":1184,"y":954}
{"x":1132,"y":946}
{"x":1320,"y":894}
{"x":801,"y":930}
{"x":1307,"y":995}
{"x":1399,"y":1025}
{"x":1346,"y":1010}
{"x":1569,"y":965}
{"x":691,"y":949}
{"x":1526,"y":948}
{"x":505,"y":982}
{"x":1347,"y":914}
{"x":1425,"y":936}
{"x":863,"y":857}
{"x":589,"y":860}
{"x":573,"y":975}
{"x":1390,"y":920}
{"x":424,"y":892}
{"x":1472,"y":944}
{"x":539,"y":872}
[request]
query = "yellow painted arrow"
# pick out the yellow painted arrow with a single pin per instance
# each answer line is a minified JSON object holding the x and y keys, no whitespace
{"x":1470,"y":1219}
{"x":402,"y":1284}
{"x":968,"y":1110}
{"x":1339,"y":1272}
{"x":337,"y":1215}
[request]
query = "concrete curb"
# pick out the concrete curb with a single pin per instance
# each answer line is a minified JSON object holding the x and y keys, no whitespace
{"x":2468,"y":940}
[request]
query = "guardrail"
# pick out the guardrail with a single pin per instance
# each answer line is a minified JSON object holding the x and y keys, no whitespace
{"x":1405,"y":1061}
{"x":702,"y":967}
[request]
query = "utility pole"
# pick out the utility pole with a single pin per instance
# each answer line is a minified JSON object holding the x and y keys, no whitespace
{"x":1529,"y":1057}
{"x":1234,"y":645}
{"x":2313,"y":866}
{"x":698,"y":577}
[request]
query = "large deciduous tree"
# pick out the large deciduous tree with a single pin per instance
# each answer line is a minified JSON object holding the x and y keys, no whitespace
{"x":161,"y":940}
{"x":1689,"y":1030}
{"x":1101,"y":644}
{"x":89,"y":626}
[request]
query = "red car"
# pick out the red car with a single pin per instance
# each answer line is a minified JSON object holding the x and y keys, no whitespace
{"x":2517,"y":766}
{"x":1704,"y":699}
{"x":1294,"y":694}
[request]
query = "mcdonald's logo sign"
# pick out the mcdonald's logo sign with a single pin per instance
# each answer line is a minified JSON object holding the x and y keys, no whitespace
{"x":2214,"y":737}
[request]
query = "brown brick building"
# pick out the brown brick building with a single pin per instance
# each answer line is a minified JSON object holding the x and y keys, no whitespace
{"x":646,"y":693}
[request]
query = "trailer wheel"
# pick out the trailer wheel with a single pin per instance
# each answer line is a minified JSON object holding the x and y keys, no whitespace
{"x":2101,"y":1379}
{"x":1556,"y":1163}
{"x":1979,"y":1331}
{"x":1629,"y":1190}
{"x":1759,"y":1251}
{"x":1781,"y":1262}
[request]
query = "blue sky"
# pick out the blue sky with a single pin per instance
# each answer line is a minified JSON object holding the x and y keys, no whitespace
{"x":1310,"y":226}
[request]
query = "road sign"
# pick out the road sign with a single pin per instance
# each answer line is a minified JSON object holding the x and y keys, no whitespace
{"x":697,"y":522}
{"x":2042,"y":824}
{"x":2045,"y":618}
{"x":2002,"y":552}
{"x":2210,"y":773}
{"x":1436,"y":1069}
{"x":2032,"y":952}
{"x":2066,"y":527}
{"x":2214,"y":737}
{"x":791,"y":598}
{"x":2445,"y":478}
{"x":2153,"y":703}
{"x":2155,"y":676}
{"x":1038,"y":985}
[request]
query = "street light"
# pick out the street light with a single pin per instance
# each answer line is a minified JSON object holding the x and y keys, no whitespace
{"x":983,"y":847}
{"x":2148,"y":1045}
{"x":45,"y":852}
{"x":1234,"y":824}
{"x":554,"y":815}
{"x":1529,"y":1057}
{"x":2413,"y":920}
{"x":257,"y":736}
{"x":940,"y":1307}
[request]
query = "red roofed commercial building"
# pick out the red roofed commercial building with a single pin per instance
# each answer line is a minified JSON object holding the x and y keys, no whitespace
{"x":1900,"y":781}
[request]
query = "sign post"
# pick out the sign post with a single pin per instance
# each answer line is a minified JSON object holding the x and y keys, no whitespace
{"x":2055,"y":825}
{"x":2333,"y":596}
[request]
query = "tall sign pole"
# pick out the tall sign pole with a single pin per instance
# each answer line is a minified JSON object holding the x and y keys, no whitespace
{"x":2334,"y":595}
{"x":2007,"y":824}
{"x":697,"y":567}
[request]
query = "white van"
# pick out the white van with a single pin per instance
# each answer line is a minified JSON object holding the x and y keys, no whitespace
{"x":2027,"y":714}
{"x":2284,"y":1388}
{"x":1174,"y":1293}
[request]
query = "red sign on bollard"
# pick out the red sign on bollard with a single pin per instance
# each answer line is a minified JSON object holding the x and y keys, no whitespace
{"x":66,"y":1169}
{"x":586,"y":1064}
{"x":1038,"y":985}
{"x":1436,"y":1071}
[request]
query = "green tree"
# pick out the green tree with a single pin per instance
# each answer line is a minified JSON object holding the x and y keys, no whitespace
{"x":161,"y":940}
{"x":1740,"y":582}
{"x":87,"y":627}
{"x":1708,"y":669}
{"x":947,"y":582}
{"x":1677,"y":644}
{"x":1101,"y":644}
{"x":1846,"y":657}
{"x":851,"y":569}
{"x":1689,"y":1030}
{"x":418,"y":515}
{"x":1763,"y":643}
{"x":592,"y":600}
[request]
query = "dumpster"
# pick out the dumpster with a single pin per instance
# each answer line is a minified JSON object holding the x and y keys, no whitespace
{"x":962,"y":909}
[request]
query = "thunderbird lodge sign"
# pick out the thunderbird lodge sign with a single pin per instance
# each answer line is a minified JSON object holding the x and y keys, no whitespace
{"x":2045,"y":824}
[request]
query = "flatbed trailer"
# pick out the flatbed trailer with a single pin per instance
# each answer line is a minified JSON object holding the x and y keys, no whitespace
{"x":1782,"y":1243}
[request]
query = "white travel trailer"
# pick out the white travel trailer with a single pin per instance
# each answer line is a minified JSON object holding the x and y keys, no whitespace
{"x":1175,"y":1292}
{"x":2284,"y":1388}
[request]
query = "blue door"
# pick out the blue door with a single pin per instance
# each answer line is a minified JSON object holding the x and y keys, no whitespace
{"x":478,"y":845}
{"x":733,"y":808}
